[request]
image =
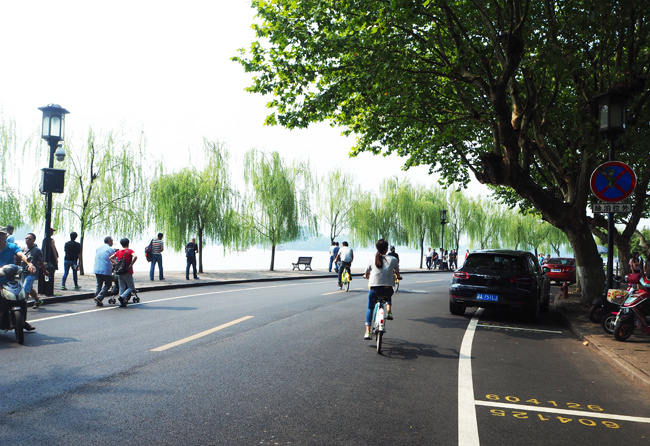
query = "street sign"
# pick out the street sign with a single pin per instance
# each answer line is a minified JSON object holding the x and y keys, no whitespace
{"x":613,"y":181}
{"x":606,"y":208}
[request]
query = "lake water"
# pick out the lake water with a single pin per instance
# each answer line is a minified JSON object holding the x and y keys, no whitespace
{"x":214,"y":259}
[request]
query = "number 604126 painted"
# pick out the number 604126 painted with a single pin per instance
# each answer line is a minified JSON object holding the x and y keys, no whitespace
{"x":514,"y":399}
{"x":525,"y":415}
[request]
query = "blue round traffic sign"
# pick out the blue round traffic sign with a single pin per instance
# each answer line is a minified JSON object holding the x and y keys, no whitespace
{"x":613,"y":181}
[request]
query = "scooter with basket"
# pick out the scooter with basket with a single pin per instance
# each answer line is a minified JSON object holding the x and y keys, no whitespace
{"x":634,"y":313}
{"x":617,"y":297}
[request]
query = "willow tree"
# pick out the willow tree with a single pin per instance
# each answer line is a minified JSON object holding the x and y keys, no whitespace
{"x":486,"y":225}
{"x":375,"y":216}
{"x":459,"y":215}
{"x":10,"y":206}
{"x":199,"y":203}
{"x":418,"y":210}
{"x":335,"y":199}
{"x":105,"y":190}
{"x":504,"y":90}
{"x":276,"y":205}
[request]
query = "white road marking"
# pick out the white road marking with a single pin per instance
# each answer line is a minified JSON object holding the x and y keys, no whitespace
{"x":579,"y":413}
{"x":164,"y":299}
{"x":467,"y":423}
{"x":504,"y":327}
{"x":200,"y":335}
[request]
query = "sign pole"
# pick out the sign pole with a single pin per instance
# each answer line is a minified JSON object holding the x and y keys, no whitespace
{"x":610,"y":231}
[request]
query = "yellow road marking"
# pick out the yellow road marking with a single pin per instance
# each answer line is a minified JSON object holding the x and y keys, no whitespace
{"x":200,"y":335}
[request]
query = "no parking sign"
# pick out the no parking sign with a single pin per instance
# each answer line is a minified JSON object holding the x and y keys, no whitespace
{"x":613,"y":181}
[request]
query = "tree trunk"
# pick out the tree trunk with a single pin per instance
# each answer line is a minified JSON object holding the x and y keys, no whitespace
{"x":272,"y":257}
{"x":589,"y":265}
{"x":81,"y":256}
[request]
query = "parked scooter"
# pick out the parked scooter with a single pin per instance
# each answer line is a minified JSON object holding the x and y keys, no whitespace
{"x":634,"y":313}
{"x":600,"y":306}
{"x":618,"y":297}
{"x":13,"y":305}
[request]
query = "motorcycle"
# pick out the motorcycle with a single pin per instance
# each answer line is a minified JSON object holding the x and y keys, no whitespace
{"x":600,"y":306}
{"x":617,"y":297}
{"x":13,"y":304}
{"x":634,"y":313}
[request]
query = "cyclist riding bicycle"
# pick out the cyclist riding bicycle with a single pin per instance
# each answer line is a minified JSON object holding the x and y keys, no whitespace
{"x":381,"y":272}
{"x":345,"y":256}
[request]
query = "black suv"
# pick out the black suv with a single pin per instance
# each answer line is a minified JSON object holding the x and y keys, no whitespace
{"x":496,"y":278}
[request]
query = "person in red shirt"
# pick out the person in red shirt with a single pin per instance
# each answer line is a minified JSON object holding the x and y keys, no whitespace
{"x":125,"y":280}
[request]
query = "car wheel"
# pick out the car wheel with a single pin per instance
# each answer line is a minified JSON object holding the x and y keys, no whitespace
{"x":534,"y":311}
{"x":546,"y":304}
{"x":456,"y":310}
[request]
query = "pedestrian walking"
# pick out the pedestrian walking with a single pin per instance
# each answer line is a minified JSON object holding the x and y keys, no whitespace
{"x":103,"y":270}
{"x":331,"y":256}
{"x":35,"y":256}
{"x":72,"y":250}
{"x":125,"y":279}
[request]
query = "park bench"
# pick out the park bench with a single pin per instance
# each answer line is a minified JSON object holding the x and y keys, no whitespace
{"x":303,"y":261}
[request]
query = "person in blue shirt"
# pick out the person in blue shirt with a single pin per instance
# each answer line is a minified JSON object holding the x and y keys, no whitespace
{"x":103,"y":270}
{"x":7,"y":253}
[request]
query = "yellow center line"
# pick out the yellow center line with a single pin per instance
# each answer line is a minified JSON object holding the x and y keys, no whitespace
{"x":200,"y":335}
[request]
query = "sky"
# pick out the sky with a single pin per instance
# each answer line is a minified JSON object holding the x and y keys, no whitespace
{"x":164,"y":68}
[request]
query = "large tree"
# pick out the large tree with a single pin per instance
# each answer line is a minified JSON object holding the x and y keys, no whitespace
{"x":501,"y":89}
{"x":276,"y":208}
{"x":199,"y":203}
{"x":105,"y":190}
{"x":335,"y":197}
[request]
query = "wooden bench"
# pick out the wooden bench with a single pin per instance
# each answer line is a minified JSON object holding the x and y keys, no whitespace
{"x":303,"y":261}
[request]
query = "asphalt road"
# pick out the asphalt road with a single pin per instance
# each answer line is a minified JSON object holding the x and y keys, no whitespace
{"x":285,"y":363}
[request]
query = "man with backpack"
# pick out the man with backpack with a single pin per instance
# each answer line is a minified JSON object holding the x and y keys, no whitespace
{"x":157,"y":247}
{"x":124,"y":260}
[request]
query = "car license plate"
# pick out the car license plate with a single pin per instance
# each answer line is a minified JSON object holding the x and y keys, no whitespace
{"x":556,"y":270}
{"x":492,"y":297}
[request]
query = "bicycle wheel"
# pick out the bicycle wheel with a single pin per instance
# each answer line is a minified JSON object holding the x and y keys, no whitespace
{"x":379,"y":335}
{"x":396,"y":285}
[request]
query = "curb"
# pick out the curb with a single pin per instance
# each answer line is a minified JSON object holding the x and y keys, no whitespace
{"x":630,"y":370}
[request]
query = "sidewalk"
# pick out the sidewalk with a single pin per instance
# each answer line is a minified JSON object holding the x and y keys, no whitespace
{"x":632,"y":357}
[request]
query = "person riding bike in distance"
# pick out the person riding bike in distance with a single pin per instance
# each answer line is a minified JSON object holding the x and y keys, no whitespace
{"x":381,"y":272}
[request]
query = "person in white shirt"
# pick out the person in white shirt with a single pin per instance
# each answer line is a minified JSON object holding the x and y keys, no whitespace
{"x":380,"y":272}
{"x":346,"y":257}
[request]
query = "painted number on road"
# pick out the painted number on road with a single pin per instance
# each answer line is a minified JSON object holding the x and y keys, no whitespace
{"x":525,"y":416}
{"x":514,"y":399}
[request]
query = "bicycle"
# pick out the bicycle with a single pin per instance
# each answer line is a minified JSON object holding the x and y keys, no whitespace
{"x":379,"y":321}
{"x":345,"y":280}
{"x":396,"y":284}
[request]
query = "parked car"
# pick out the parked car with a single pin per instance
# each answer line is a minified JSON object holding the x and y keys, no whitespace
{"x":500,"y":279}
{"x":561,"y":269}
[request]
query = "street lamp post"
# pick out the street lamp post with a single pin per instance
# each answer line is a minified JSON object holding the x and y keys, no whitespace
{"x":443,"y":222}
{"x":611,"y":122}
{"x":53,"y":131}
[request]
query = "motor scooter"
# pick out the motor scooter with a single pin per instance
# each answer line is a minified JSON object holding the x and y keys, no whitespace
{"x":600,"y":306}
{"x":13,"y":305}
{"x":634,"y":313}
{"x":617,"y":297}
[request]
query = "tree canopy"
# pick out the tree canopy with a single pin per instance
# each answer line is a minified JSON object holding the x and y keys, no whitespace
{"x":500,"y":89}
